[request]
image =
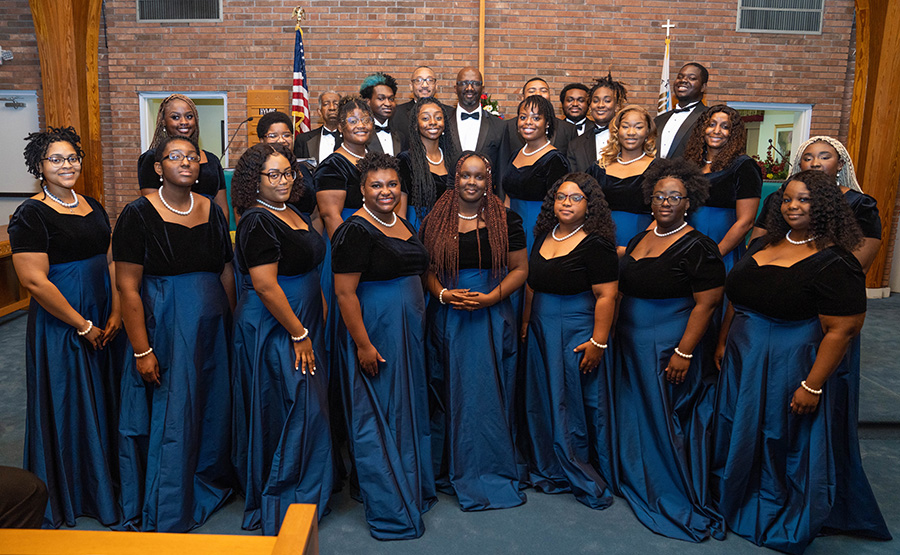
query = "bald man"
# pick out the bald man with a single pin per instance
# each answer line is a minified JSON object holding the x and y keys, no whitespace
{"x":422,"y":83}
{"x":473,"y":127}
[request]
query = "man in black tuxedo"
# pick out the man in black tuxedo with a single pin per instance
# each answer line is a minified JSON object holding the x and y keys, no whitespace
{"x":675,"y":126}
{"x":562,"y":136}
{"x":574,"y":100}
{"x":320,"y":142}
{"x":473,"y":127}
{"x":380,"y":89}
{"x":606,"y":97}
{"x":423,"y":84}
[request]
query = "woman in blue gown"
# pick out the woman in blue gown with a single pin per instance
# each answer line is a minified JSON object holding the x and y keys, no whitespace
{"x":426,"y":168}
{"x":60,"y":242}
{"x":620,"y":170}
{"x":282,"y":439}
{"x":571,"y":297}
{"x":378,"y":263}
{"x":671,"y":281}
{"x":478,"y":260}
{"x":536,"y":166}
{"x":173,"y":260}
{"x":796,"y":299}
{"x":718,"y":146}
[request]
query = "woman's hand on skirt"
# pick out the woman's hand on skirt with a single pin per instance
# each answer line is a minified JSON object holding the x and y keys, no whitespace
{"x":94,"y":337}
{"x":113,"y":325}
{"x":720,"y":355}
{"x":677,"y":369}
{"x":369,"y":357}
{"x":523,"y":332}
{"x":591,"y":358}
{"x":804,"y":402}
{"x":148,"y":368}
{"x":304,"y":357}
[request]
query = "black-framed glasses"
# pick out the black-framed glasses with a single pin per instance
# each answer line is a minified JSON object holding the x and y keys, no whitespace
{"x":351,"y":121}
{"x":420,"y":80}
{"x":276,"y":136}
{"x":466,"y":84}
{"x":674,"y":200}
{"x":275,"y":177}
{"x":58,"y":160}
{"x":179,"y":156}
{"x":574,"y":198}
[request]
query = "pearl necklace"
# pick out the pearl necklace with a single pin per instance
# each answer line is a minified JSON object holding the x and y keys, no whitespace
{"x":271,"y":207}
{"x":674,"y":231}
{"x":469,"y":218}
{"x":561,"y":239}
{"x":619,"y":159}
{"x":58,"y":200}
{"x":179,"y":212}
{"x":803,"y":242}
{"x":536,"y":151}
{"x":439,"y":162}
{"x":347,"y":150}
{"x":377,"y":219}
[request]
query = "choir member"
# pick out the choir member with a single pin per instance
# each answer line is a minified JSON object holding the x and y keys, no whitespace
{"x":473,"y":127}
{"x":606,"y":97}
{"x":320,"y":142}
{"x":574,"y":101}
{"x":380,"y":90}
{"x":676,"y":125}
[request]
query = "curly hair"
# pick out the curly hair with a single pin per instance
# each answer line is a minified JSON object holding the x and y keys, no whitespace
{"x":544,"y":108}
{"x":375,"y":161}
{"x":160,"y":133}
{"x":39,"y":143}
{"x":617,"y":87}
{"x":696,"y":150}
{"x":695,"y":183}
{"x":270,"y":119}
{"x":422,"y":190}
{"x":159,"y":153}
{"x":831,"y":218}
{"x":352,"y":102}
{"x":612,"y":149}
{"x":440,"y":229}
{"x":367,"y":87}
{"x":247,"y":174}
{"x":598,"y":219}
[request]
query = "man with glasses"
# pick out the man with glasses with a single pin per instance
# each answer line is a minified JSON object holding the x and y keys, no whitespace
{"x":474,"y":128}
{"x":320,"y":142}
{"x":423,"y":84}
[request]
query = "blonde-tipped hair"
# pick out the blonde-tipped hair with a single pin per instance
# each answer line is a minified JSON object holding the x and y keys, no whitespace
{"x":613,"y":148}
{"x":160,"y":133}
{"x":846,"y":176}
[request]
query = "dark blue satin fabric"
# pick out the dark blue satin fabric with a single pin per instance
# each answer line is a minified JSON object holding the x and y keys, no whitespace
{"x":715,"y":223}
{"x":567,"y":412}
{"x":629,"y":224}
{"x":70,"y":418}
{"x":281,"y":429}
{"x":387,"y":414}
{"x":471,"y":359}
{"x":529,"y":210}
{"x":175,"y":438}
{"x":773,"y":472}
{"x":655,"y":448}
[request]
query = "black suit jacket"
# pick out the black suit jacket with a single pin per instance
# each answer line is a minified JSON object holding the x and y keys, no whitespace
{"x":490,"y":139}
{"x":306,"y":145}
{"x":396,"y":138}
{"x":583,"y":150}
{"x":684,"y":132}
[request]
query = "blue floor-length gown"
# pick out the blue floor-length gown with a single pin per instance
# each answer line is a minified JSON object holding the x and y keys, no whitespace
{"x":626,"y":202}
{"x":282,"y":445}
{"x":70,"y":433}
{"x":527,"y":186}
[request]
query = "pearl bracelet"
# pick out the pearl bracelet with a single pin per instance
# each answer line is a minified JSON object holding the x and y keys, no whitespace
{"x":598,"y":345}
{"x":682,"y":355}
{"x":441,"y":295}
{"x":301,"y":337}
{"x":145,"y":353}
{"x":86,"y":331}
{"x":811,"y":390}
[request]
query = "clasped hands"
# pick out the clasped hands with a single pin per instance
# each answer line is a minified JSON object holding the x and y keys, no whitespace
{"x":465,"y":299}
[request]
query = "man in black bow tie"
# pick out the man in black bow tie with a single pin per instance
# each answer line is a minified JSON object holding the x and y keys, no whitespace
{"x":574,"y":100}
{"x":675,"y":126}
{"x":606,"y":96}
{"x":474,"y":128}
{"x":380,"y":89}
{"x":320,"y":142}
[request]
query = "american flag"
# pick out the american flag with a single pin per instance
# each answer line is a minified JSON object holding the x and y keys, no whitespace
{"x":299,"y":90}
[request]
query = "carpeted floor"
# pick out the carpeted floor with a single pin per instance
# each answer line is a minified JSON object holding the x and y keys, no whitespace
{"x":551,"y":523}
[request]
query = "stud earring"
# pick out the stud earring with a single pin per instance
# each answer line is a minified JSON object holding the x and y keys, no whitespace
{"x":41,"y":177}
{"x":160,"y":179}
{"x":685,"y":214}
{"x":196,"y":181}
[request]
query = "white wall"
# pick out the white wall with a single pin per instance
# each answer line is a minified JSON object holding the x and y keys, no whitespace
{"x":16,"y":124}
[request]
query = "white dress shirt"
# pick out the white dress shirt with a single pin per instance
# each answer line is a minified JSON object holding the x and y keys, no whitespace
{"x":326,"y":143}
{"x":600,"y":140}
{"x":468,"y":129}
{"x":387,"y":142}
{"x":668,"y":132}
{"x":580,"y":126}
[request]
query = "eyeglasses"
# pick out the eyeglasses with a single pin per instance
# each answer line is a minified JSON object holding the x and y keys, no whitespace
{"x":574,"y":198}
{"x":276,"y":136}
{"x":674,"y":200}
{"x":421,"y":80}
{"x":178,"y":157}
{"x":351,"y":121}
{"x":275,"y":177}
{"x":55,"y":160}
{"x":467,"y":84}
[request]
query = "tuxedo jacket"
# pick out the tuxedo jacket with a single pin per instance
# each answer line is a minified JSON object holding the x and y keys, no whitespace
{"x":684,"y":132}
{"x":490,"y":139}
{"x":583,"y":150}
{"x":396,"y":138}
{"x":306,"y":145}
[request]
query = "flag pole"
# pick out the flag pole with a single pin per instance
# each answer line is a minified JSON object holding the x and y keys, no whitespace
{"x":664,"y":104}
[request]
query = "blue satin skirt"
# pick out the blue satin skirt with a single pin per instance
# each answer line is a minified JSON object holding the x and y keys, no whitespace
{"x":282,"y":439}
{"x":529,"y":210}
{"x":175,"y":438}
{"x":629,"y":224}
{"x":565,"y":410}
{"x":471,"y":360}
{"x":715,"y":224}
{"x":70,"y":417}
{"x":413,"y":216}
{"x":654,"y":417}
{"x":773,"y":472}
{"x":387,"y":414}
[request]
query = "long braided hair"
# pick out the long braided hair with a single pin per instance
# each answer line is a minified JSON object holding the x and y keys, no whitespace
{"x":440,"y":229}
{"x":422,"y":189}
{"x":160,"y":134}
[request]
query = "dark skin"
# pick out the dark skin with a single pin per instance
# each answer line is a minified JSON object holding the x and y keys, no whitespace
{"x":468,"y":93}
{"x":575,"y":104}
{"x":669,"y":216}
{"x":688,"y":85}
{"x":838,"y":330}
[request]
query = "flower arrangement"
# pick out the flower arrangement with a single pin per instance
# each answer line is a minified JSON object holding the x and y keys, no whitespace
{"x":770,"y":168}
{"x":491,"y":106}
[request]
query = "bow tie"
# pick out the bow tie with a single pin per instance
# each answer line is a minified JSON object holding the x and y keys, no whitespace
{"x":336,"y":134}
{"x":465,"y":115}
{"x":687,"y":108}
{"x":578,"y":125}
{"x":385,"y":129}
{"x":600,"y":129}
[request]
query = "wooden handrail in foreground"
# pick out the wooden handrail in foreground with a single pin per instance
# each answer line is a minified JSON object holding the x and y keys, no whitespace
{"x":299,"y":535}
